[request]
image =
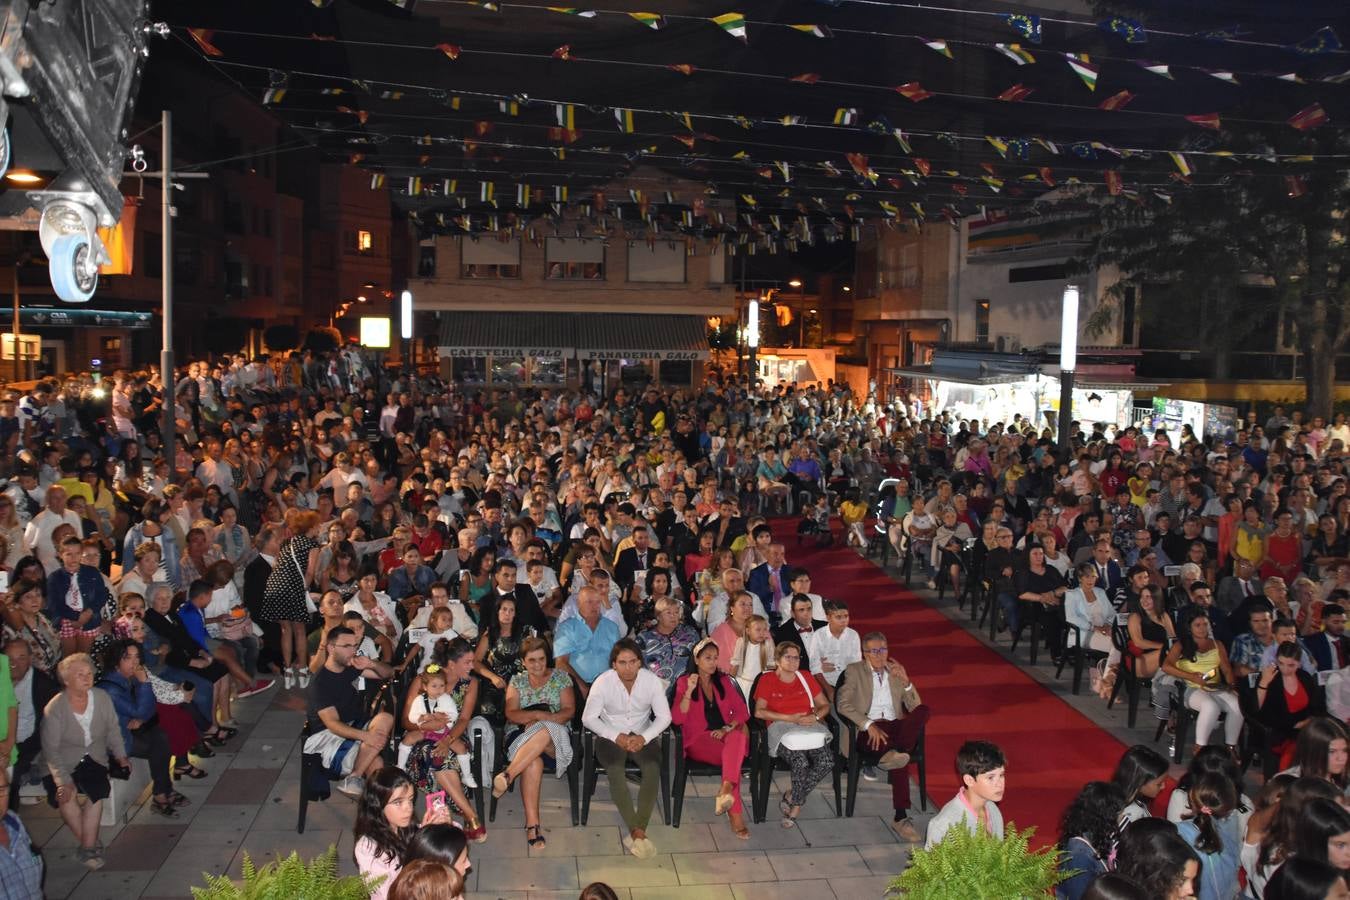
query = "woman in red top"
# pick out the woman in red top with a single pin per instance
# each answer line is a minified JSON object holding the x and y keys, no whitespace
{"x":1289,"y":698}
{"x":712,"y":717}
{"x":785,"y":698}
{"x":1284,"y":550}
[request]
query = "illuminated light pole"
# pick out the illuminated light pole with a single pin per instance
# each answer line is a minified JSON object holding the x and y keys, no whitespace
{"x":1068,"y":361}
{"x":405,"y":326}
{"x":752,"y":337}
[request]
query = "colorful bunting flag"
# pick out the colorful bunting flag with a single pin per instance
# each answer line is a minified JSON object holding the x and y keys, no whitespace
{"x":1309,"y":117}
{"x":332,"y":91}
{"x":1113,"y":183}
{"x":450,"y":50}
{"x":1116,"y":101}
{"x":273,"y":95}
{"x":654,"y":21}
{"x":1155,"y":68}
{"x":1028,"y":26}
{"x":566,"y":115}
{"x":1291,"y":77}
{"x":509,"y":107}
{"x":1046,"y":176}
{"x":791,"y":120}
{"x":682,"y":68}
{"x":414,"y":187}
{"x":733,"y":23}
{"x":1295,"y":185}
{"x":903,"y":141}
{"x":1131,"y":30}
{"x":377,"y":181}
{"x":783,"y":169}
{"x":994,"y":184}
{"x":486,"y":192}
{"x":806,"y":78}
{"x":1205,"y":120}
{"x":1050,"y":146}
{"x":1016,"y":53}
{"x":998,"y":144}
{"x":687,"y":139}
{"x":819,"y":31}
{"x":1182,"y":163}
{"x":572,"y":11}
{"x":202,"y":38}
{"x":1016,"y":93}
{"x":938,"y":45}
{"x":922,"y":165}
{"x":624,"y":117}
{"x":845,"y":116}
{"x":1083,"y":68}
{"x":913,"y":91}
{"x":1323,"y":40}
{"x":1222,"y":75}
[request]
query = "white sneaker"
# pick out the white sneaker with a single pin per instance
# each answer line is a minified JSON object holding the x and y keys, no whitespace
{"x":304,"y":676}
{"x":352,"y":786}
{"x":288,"y":676}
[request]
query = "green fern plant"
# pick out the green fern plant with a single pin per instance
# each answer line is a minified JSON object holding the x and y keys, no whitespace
{"x":967,"y":866}
{"x":289,"y":879}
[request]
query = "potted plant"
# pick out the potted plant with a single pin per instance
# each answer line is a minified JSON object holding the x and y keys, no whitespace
{"x":289,"y":879}
{"x":967,"y":866}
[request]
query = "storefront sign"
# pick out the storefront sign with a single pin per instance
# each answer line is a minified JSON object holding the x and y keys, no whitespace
{"x":645,"y":354}
{"x":536,"y":352}
{"x":43,"y":317}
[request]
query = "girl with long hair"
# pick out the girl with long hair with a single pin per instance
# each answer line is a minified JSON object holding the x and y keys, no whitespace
{"x":1277,"y":844}
{"x":1087,"y":834}
{"x":1323,"y":833}
{"x":385,"y":828}
{"x":1258,"y":826}
{"x":1140,"y":775}
{"x":1213,"y":833}
{"x":1307,"y":879}
{"x":1321,"y":751}
{"x":1154,"y":856}
{"x":1202,"y":662}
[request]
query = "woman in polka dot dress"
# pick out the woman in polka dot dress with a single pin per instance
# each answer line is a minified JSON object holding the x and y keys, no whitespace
{"x":285,"y":598}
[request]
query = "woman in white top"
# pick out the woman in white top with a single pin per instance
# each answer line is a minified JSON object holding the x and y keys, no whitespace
{"x":1140,"y":775}
{"x":1060,"y":562}
{"x":754,"y":653}
{"x":1087,"y":608}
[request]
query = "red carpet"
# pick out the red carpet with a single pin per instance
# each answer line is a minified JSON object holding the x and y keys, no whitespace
{"x":973,"y":692}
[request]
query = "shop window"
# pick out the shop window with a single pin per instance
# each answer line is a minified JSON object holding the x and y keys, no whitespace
{"x":110,"y":352}
{"x":677,"y":371}
{"x":365,"y":242}
{"x":548,"y":371}
{"x":469,"y":370}
{"x":1052,"y":272}
{"x":508,"y":370}
{"x":635,"y":372}
{"x":426,"y":260}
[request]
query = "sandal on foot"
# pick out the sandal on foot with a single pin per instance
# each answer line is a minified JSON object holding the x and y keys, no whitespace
{"x":500,"y":785}
{"x":187,"y":770}
{"x":722,"y":803}
{"x":225,"y":733}
{"x":163,"y":808}
{"x":178,"y":799}
{"x":538,"y":840}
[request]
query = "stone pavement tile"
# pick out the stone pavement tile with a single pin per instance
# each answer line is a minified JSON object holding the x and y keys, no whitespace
{"x":280,"y":724}
{"x":106,"y":884}
{"x":828,"y":862}
{"x":854,"y":888}
{"x":688,"y":838}
{"x":185,"y":866}
{"x":626,"y":871}
{"x":887,"y":859}
{"x":63,"y":839}
{"x":783,"y":890}
{"x":499,"y":895}
{"x":276,"y":815}
{"x":527,"y":875}
{"x":261,"y":753}
{"x":40,"y":830}
{"x":141,"y":847}
{"x":710,"y":892}
{"x":723,"y":868}
{"x":219,"y":826}
{"x":238,"y":785}
{"x":847,"y":832}
{"x":564,"y":840}
{"x":64,"y":872}
{"x":266,"y":846}
{"x":767,"y":835}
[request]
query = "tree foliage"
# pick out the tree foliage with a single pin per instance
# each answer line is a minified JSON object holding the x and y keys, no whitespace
{"x":281,"y":337}
{"x":324,"y":339}
{"x":226,"y":335}
{"x":1278,"y":226}
{"x":970,"y":865}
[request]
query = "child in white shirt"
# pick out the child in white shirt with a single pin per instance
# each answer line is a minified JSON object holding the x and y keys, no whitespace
{"x":435,"y":701}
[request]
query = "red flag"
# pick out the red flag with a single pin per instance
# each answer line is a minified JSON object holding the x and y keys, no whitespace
{"x":960,"y":189}
{"x":450,"y":50}
{"x":1016,"y":93}
{"x":806,"y":78}
{"x":482,"y":128}
{"x":682,"y":68}
{"x":922,"y":165}
{"x":686,"y":139}
{"x":1113,"y":185}
{"x":202,"y":37}
{"x":355,"y":158}
{"x":1116,"y":101}
{"x":1294,"y":184}
{"x":566,"y":135}
{"x":1046,"y":176}
{"x":563,"y":52}
{"x":361,"y":114}
{"x":859,"y":163}
{"x":913,"y":91}
{"x":1205,"y":120}
{"x":1309,"y":118}
{"x":989,"y":167}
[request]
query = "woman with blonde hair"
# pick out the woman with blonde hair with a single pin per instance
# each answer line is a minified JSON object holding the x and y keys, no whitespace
{"x":286,"y":599}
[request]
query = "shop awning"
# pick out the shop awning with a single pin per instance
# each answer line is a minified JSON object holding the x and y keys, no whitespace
{"x":962,"y":376}
{"x":547,"y":335}
{"x":1102,"y":383}
{"x":641,"y":337}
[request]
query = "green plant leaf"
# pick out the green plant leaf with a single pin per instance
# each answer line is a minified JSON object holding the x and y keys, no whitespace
{"x":288,"y":879}
{"x":979,"y":866}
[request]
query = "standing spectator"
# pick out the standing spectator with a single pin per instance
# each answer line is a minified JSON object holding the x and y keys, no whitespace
{"x":286,"y":599}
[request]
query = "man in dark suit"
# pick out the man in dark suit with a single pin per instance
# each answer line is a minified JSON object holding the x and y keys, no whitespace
{"x":256,"y":574}
{"x":634,"y":561}
{"x":797,"y":629}
{"x":528,"y":611}
{"x":1330,"y":647}
{"x":1110,"y":577}
{"x":726,"y":526}
{"x":769,"y":580}
{"x":1236,"y":588}
{"x":34,"y":691}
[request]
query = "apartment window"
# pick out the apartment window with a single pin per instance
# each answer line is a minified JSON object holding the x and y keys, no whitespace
{"x":365,"y":242}
{"x":982,"y":321}
{"x":110,"y":351}
{"x":1052,"y":272}
{"x":575,"y":259}
{"x":426,"y":260}
{"x":256,"y":280}
{"x":1128,"y":313}
{"x":152,"y":257}
{"x":253,"y":221}
{"x":234,"y":217}
{"x":488,"y":258}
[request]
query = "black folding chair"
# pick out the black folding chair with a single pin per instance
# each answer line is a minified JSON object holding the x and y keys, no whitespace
{"x":1075,"y":648}
{"x":1127,"y":678}
{"x":761,"y":774}
{"x":590,"y":769}
{"x":684,"y":767}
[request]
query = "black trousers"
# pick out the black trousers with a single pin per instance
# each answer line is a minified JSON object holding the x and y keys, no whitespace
{"x":152,"y":744}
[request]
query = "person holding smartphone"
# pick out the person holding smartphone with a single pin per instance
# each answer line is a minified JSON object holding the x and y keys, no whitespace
{"x":385,"y":827}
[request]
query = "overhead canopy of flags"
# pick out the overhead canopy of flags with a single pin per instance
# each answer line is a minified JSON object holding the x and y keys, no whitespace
{"x":462,"y":108}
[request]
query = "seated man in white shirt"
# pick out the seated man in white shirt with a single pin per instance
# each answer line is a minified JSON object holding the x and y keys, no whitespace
{"x":627,"y":711}
{"x":834,"y":647}
{"x":800,"y":583}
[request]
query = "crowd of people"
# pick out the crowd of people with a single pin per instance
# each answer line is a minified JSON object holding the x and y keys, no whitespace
{"x":441,"y":571}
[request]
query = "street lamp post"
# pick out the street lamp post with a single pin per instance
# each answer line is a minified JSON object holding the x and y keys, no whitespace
{"x":405,"y":326}
{"x":1068,"y":361}
{"x":752,"y":337}
{"x":801,"y":310}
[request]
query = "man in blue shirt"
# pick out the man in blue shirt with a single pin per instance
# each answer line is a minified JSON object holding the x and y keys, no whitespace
{"x":581,"y":644}
{"x":805,"y":469}
{"x":412,"y":577}
{"x":20,"y":867}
